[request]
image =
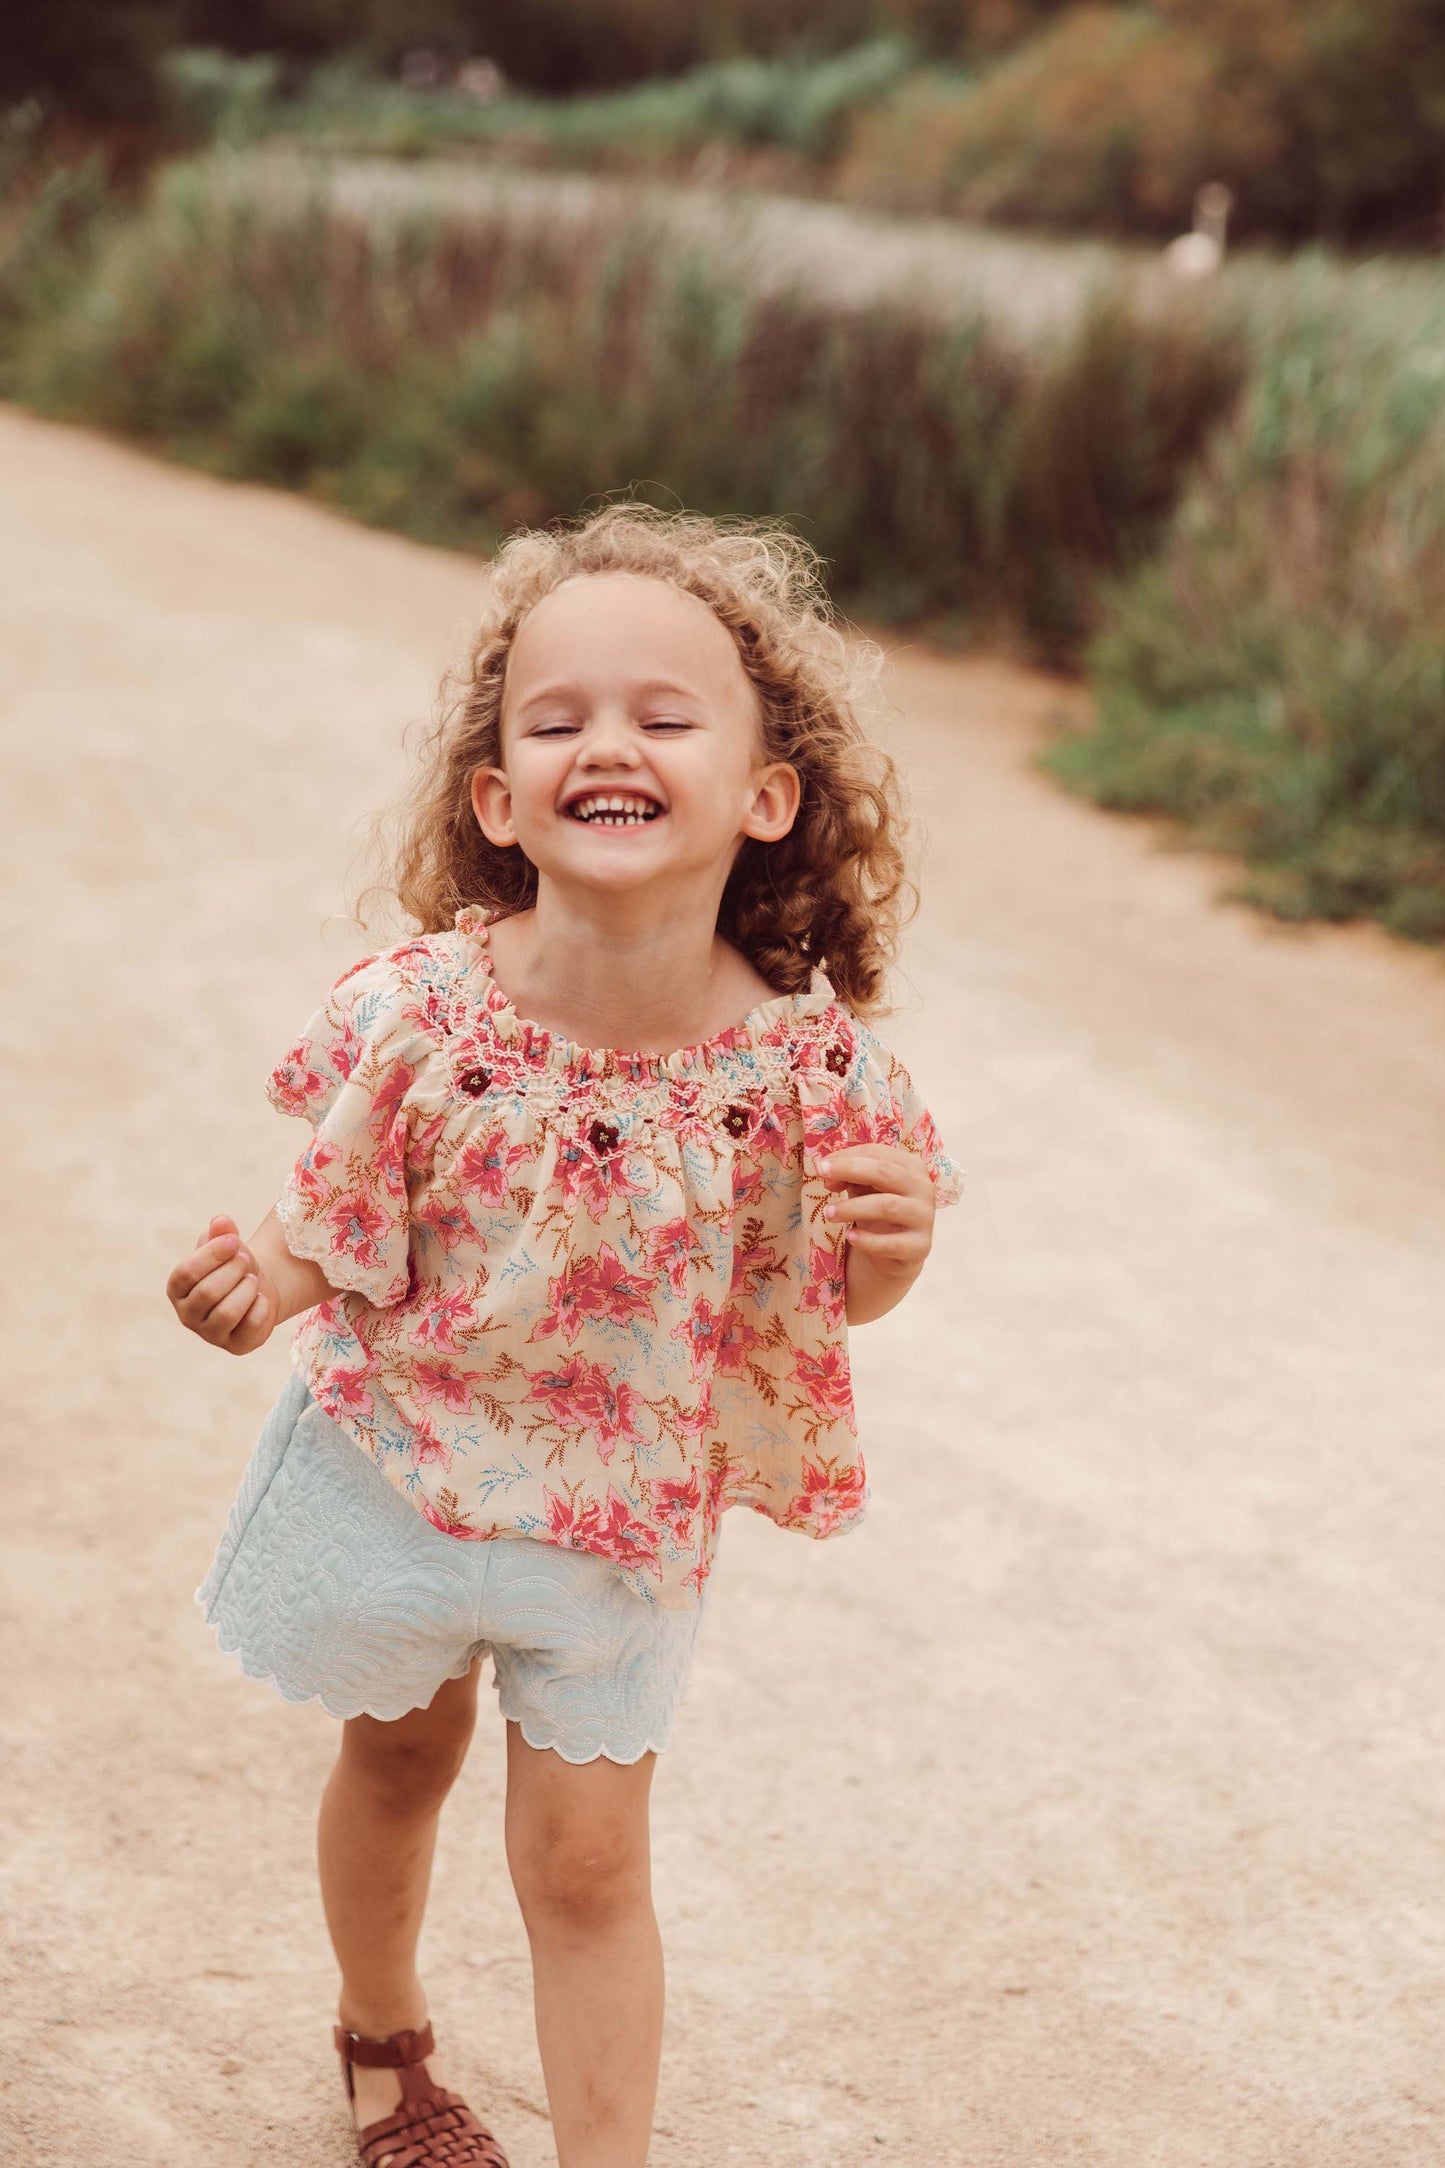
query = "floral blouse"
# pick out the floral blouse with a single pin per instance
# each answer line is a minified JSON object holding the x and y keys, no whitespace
{"x":585,"y":1296}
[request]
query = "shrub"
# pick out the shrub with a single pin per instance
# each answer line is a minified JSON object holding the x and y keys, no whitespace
{"x":1276,"y":679}
{"x":1327,"y":120}
{"x":439,"y":370}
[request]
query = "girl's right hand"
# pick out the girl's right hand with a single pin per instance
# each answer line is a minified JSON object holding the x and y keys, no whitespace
{"x":220,"y":1291}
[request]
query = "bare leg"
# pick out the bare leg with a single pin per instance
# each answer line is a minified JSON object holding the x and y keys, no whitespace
{"x":578,"y":1848}
{"x":374,"y":1844}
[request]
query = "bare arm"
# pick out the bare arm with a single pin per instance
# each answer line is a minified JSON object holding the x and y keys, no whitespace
{"x":234,"y":1294}
{"x":885,"y":1194}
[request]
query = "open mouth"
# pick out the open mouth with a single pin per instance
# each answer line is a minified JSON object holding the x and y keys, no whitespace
{"x":612,"y":809}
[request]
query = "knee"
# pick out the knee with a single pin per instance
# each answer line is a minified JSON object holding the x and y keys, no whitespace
{"x":579,"y":1877}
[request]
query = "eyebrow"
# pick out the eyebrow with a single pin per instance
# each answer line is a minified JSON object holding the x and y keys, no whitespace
{"x":564,"y":690}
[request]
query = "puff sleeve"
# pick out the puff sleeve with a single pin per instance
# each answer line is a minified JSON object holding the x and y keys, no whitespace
{"x":870,"y":1098}
{"x":350,"y":1074}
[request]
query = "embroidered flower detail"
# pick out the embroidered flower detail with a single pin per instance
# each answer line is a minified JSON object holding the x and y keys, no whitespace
{"x":474,"y":1082}
{"x":603,"y":1136}
{"x":836,"y":1058}
{"x":737,"y":1121}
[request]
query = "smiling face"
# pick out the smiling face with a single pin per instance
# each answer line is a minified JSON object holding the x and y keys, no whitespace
{"x":631,"y":746}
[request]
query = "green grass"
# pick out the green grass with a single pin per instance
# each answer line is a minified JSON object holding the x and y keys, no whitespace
{"x":454,"y":373}
{"x":1275,"y":678}
{"x":799,"y":106}
{"x":1230,"y":505}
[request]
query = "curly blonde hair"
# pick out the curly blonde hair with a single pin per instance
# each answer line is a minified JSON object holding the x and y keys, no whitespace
{"x":834,"y":890}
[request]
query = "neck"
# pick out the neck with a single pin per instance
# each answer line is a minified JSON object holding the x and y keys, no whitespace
{"x":640,"y":984}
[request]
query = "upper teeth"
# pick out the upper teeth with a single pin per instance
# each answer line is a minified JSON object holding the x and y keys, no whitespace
{"x":613,"y":809}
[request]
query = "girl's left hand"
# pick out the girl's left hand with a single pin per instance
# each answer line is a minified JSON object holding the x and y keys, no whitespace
{"x":888,"y":1198}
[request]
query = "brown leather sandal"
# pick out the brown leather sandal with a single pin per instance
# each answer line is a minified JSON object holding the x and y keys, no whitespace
{"x":429,"y":2126}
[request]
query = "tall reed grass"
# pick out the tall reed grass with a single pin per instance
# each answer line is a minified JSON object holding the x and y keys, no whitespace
{"x":453,"y":374}
{"x":1233,"y":506}
{"x":1275,"y":678}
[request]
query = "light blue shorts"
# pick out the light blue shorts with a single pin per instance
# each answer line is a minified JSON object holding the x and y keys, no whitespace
{"x":330,"y":1585}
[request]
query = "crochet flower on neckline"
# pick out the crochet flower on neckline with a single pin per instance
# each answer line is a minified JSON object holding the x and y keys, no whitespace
{"x":764,"y":1025}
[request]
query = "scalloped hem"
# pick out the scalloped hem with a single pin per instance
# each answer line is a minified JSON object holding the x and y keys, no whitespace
{"x":298,"y":1697}
{"x":598,"y":1753}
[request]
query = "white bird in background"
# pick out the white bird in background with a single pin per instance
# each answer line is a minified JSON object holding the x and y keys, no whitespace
{"x":1198,"y":255}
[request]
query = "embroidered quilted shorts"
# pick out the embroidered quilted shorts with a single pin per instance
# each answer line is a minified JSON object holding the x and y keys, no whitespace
{"x":329,"y":1585}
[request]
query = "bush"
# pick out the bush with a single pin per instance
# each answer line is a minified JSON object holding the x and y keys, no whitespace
{"x":1276,"y":679}
{"x":451,"y":373}
{"x":1327,"y":120}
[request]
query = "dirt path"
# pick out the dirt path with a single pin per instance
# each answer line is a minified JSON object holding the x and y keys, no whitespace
{"x":1084,"y":1807}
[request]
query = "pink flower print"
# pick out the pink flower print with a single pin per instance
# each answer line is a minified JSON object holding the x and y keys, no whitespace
{"x":753,"y":1264}
{"x":565,"y":1524}
{"x":673,"y":1504}
{"x":598,"y":1286}
{"x":438,"y":1327}
{"x":390,"y":1161}
{"x":485,"y":1166}
{"x":589,"y":1398}
{"x":684,"y":1118}
{"x":357,"y":1222}
{"x":617,"y":1422}
{"x":295,"y":1082}
{"x":620,"y":1536}
{"x":344,"y":1053}
{"x":735,"y":1342}
{"x":428,"y":1450}
{"x":827,"y":1381}
{"x":449,"y":1223}
{"x":343,"y":1392}
{"x":770,"y":1140}
{"x":567,"y":1388}
{"x":438,"y":1381}
{"x":826,"y":1287}
{"x":669,"y":1249}
{"x":748,"y":1185}
{"x":387,"y":1098}
{"x":596,"y":1183}
{"x":828,"y":1497}
{"x":694,"y":1422}
{"x":827,"y":1128}
{"x":700,"y":1329}
{"x":317,"y":1157}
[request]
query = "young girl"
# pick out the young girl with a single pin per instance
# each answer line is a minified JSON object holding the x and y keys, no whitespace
{"x":605,"y":1162}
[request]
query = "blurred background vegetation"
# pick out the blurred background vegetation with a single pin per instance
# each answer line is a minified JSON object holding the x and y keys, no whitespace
{"x":330,"y":246}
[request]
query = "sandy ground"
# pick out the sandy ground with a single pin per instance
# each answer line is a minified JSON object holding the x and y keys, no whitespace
{"x":1083,"y":1807}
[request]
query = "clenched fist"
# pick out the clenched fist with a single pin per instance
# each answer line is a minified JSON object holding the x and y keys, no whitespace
{"x":222,"y":1293}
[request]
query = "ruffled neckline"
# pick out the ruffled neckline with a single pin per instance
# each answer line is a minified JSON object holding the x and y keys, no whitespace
{"x":559,"y":1052}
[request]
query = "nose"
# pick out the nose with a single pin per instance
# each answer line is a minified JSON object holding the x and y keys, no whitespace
{"x":608,"y":742}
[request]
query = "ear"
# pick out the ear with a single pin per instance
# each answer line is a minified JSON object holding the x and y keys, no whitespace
{"x":491,"y":796}
{"x":777,"y":794}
